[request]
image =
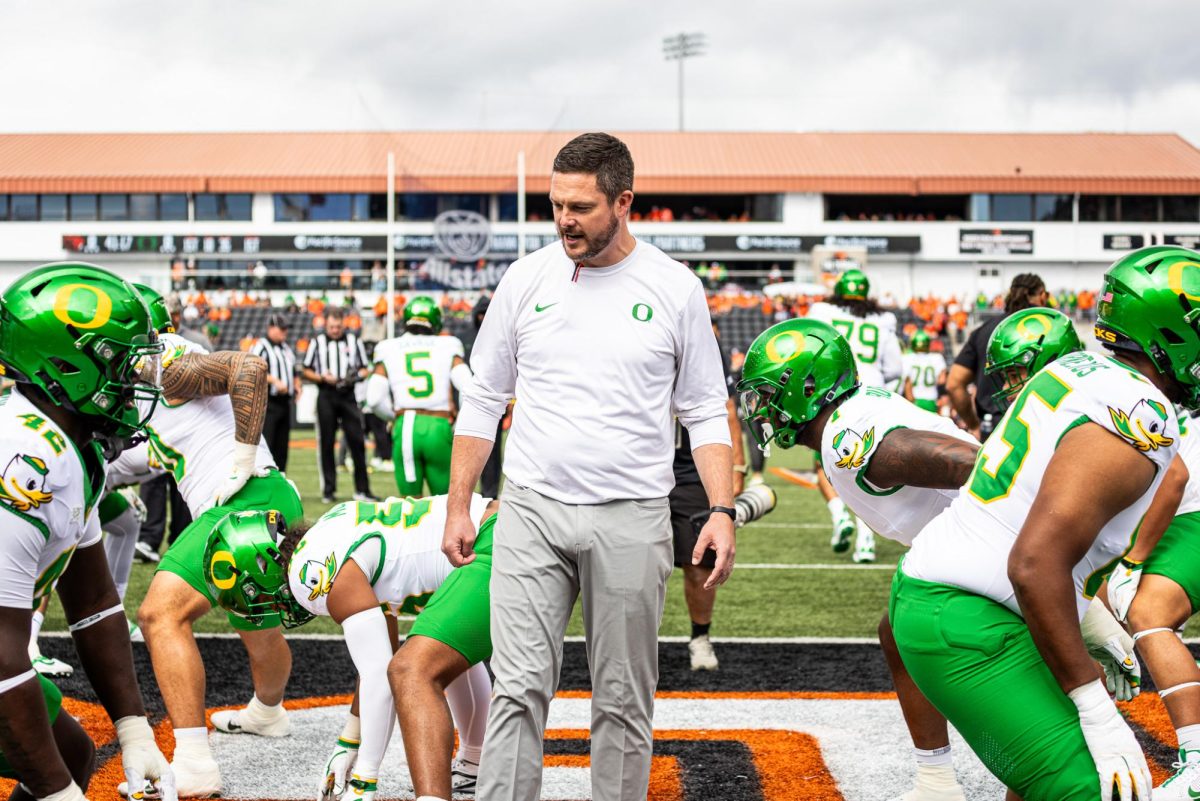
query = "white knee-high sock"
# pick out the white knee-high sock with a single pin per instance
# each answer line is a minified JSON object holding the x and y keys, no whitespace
{"x":470,"y":697}
{"x":122,"y":535}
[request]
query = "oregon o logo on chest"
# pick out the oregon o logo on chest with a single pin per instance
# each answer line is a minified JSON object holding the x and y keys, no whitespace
{"x":101,"y":313}
{"x":642,"y":312}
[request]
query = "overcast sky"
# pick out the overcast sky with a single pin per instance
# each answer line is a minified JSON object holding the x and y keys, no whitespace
{"x":971,"y":65}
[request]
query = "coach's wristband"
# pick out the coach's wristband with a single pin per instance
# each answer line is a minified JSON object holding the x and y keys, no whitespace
{"x":727,"y":510}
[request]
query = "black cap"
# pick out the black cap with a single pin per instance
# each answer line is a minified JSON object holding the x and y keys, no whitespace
{"x":278,"y":320}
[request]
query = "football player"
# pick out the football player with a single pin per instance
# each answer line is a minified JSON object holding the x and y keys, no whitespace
{"x":871,"y":335}
{"x":986,"y":607}
{"x":412,"y":380}
{"x":77,"y":341}
{"x":356,"y":560}
{"x":924,"y":372}
{"x":208,"y":433}
{"x":897,"y":466}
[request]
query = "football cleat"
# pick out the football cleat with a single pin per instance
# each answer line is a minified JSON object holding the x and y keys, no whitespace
{"x":49,"y":666}
{"x":274,"y":723}
{"x":145,"y":553}
{"x":843,"y":530}
{"x":701,"y":651}
{"x":1184,"y":782}
{"x":934,"y":783}
{"x":463,"y":775}
{"x":864,"y":546}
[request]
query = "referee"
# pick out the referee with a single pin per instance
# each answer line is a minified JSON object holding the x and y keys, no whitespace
{"x":603,"y":338}
{"x":284,"y":383}
{"x":335,"y":361}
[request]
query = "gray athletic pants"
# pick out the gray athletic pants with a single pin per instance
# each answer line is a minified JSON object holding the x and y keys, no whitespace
{"x":617,"y":555}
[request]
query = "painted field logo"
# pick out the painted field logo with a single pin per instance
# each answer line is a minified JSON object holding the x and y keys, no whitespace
{"x":642,"y":313}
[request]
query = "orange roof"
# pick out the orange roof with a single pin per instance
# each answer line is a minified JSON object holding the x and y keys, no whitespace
{"x":667,"y":162}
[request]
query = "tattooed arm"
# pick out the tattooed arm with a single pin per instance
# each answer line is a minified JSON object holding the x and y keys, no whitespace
{"x":926,"y":459}
{"x":239,"y":375}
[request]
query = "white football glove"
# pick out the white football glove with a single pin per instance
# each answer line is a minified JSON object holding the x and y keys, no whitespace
{"x":1112,"y":647}
{"x":1122,"y":586}
{"x":141,"y":758}
{"x":340,"y":766}
{"x":360,"y":789}
{"x":135,"y":501}
{"x":244,"y":455}
{"x":1118,"y":757}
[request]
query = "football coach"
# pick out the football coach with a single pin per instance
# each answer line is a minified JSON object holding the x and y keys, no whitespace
{"x":603,"y":340}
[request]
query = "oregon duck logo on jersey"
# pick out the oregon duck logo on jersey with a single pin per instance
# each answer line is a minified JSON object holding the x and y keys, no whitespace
{"x":23,"y":483}
{"x":318,"y":577}
{"x":853,"y":447}
{"x":1144,"y":426}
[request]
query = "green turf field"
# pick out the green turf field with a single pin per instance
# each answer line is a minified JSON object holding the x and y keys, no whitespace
{"x":757,"y":602}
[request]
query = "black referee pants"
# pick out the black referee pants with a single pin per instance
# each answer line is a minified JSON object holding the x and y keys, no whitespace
{"x":277,"y":428}
{"x":337,"y":408}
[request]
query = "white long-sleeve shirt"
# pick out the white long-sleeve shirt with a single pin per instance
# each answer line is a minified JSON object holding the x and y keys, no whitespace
{"x":600,"y":361}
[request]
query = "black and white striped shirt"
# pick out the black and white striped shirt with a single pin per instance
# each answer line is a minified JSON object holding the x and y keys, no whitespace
{"x":340,"y":357}
{"x":281,"y":363}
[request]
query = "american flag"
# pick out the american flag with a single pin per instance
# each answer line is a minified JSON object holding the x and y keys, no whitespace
{"x":1106,"y":297}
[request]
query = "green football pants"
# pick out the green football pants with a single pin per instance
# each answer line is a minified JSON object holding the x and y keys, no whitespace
{"x":1177,"y":556}
{"x":421,"y":454}
{"x":976,"y":661}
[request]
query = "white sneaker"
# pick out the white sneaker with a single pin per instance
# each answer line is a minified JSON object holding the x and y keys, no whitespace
{"x":843,"y":530}
{"x":49,"y":666}
{"x":1184,"y":784}
{"x":463,"y":775}
{"x":701,"y":651}
{"x":274,"y":723}
{"x":864,"y":546}
{"x":934,"y":783}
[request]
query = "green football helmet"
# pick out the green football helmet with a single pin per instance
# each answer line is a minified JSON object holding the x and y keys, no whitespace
{"x":793,"y":370}
{"x":423,"y":311}
{"x":852,"y":285}
{"x":83,"y":337}
{"x":1151,"y":303}
{"x":160,"y":318}
{"x":920,"y":342}
{"x":1024,"y":343}
{"x":245,"y":570}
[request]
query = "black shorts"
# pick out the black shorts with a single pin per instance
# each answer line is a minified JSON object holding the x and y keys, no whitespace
{"x":687,"y":500}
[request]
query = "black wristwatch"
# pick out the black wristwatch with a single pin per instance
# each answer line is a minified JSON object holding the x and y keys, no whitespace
{"x":727,"y":510}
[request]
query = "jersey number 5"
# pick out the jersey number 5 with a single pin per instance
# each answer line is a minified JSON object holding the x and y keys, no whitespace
{"x":420,"y":375}
{"x":1001,"y":458}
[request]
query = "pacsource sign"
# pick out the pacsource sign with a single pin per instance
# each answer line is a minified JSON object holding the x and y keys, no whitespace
{"x":995,"y":241}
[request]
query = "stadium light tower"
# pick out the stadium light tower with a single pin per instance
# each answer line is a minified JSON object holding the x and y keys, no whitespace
{"x":681,"y":47}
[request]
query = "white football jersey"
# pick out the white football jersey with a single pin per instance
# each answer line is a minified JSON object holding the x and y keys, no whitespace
{"x":924,"y":369}
{"x":1189,"y":451}
{"x":418,"y":369}
{"x":872,"y":339}
{"x":132,"y":467}
{"x":851,"y":438}
{"x":967,"y":546}
{"x":194,"y":440}
{"x":49,"y":488}
{"x":397,"y":544}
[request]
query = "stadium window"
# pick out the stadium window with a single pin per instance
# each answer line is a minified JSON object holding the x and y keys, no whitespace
{"x":54,"y":208}
{"x":981,"y":207}
{"x":23,"y":208}
{"x":376,"y":207}
{"x":416,"y":206}
{"x":1012,"y":208}
{"x":114,"y":208}
{"x":291,"y":208}
{"x":463,"y":202}
{"x":3,"y":207}
{"x":226,"y":207}
{"x":1098,"y":208}
{"x":912,"y":208}
{"x":329,"y":208}
{"x":1139,"y":208}
{"x":143,"y":207}
{"x":766,"y":208}
{"x":172,"y":207}
{"x":360,"y":208}
{"x":1052,"y":208}
{"x":83,"y":207}
{"x":1176,"y":208}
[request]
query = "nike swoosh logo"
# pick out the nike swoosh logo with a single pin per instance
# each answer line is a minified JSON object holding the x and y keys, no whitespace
{"x":540,"y":308}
